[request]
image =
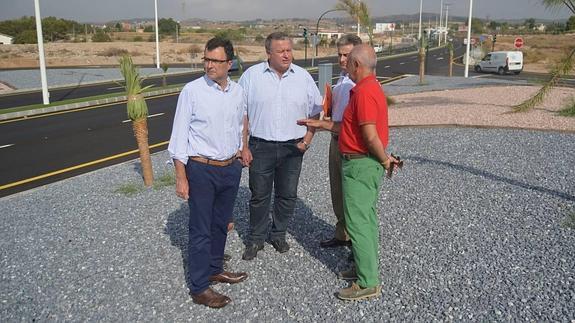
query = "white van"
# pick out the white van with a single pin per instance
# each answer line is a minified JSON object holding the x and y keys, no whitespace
{"x":501,"y":62}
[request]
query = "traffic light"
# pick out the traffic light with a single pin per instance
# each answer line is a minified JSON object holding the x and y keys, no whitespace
{"x":305,"y":33}
{"x":494,"y":37}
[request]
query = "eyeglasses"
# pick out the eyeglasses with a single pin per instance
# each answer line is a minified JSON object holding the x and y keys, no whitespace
{"x":213,"y":60}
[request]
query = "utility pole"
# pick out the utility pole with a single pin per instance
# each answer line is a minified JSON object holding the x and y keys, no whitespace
{"x":446,"y":19}
{"x":440,"y":21}
{"x":468,"y":39}
{"x":157,"y":36}
{"x":45,"y":94}
{"x":420,"y":10}
{"x":358,"y":26}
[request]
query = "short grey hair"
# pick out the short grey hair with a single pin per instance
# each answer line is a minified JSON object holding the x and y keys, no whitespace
{"x":348,"y":39}
{"x":278,"y":35}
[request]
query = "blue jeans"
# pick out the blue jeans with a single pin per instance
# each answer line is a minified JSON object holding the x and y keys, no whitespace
{"x":213,"y":192}
{"x":276,"y":165}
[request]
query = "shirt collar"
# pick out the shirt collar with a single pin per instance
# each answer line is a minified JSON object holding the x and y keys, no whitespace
{"x":363,"y":81}
{"x":267,"y":68}
{"x":215,"y":85}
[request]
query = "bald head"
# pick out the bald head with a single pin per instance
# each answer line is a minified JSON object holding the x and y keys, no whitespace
{"x":362,"y":62}
{"x":364,"y":55}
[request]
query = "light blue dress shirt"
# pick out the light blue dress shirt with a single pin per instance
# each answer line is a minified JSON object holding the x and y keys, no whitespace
{"x":208,"y":121}
{"x":274,"y":104}
{"x":340,"y":96}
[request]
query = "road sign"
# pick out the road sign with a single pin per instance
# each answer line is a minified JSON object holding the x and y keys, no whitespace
{"x":473,"y":41}
{"x":518,"y":43}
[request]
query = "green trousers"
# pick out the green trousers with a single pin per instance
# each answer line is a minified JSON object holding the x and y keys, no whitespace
{"x":361,"y":179}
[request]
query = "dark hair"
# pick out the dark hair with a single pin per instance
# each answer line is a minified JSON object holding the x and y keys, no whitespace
{"x":278,"y":35}
{"x":348,"y":39}
{"x":221,"y":42}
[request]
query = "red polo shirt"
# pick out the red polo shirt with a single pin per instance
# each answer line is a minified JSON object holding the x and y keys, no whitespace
{"x":367,"y":104}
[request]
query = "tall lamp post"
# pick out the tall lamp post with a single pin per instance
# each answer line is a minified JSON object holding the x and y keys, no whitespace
{"x":358,"y":26}
{"x":440,"y":22}
{"x":468,"y":38}
{"x":45,"y":94}
{"x":157,"y":38}
{"x":420,"y":11}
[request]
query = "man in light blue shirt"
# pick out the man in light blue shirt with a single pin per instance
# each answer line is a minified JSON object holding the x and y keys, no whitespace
{"x":278,"y":93}
{"x":340,"y":98}
{"x":205,"y":142}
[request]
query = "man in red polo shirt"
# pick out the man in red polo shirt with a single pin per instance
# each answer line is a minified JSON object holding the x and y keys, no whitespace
{"x":362,"y":141}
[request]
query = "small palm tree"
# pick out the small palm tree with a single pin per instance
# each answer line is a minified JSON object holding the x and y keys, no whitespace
{"x":138,"y":113}
{"x":164,"y":68}
{"x":562,"y":68}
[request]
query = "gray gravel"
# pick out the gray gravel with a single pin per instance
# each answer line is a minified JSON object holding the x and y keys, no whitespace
{"x":471,"y":230}
{"x":30,"y":79}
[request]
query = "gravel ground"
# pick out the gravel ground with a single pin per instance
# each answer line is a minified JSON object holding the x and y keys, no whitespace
{"x":475,"y":228}
{"x":30,"y":79}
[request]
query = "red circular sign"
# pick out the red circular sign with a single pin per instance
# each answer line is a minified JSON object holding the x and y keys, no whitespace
{"x":518,"y":42}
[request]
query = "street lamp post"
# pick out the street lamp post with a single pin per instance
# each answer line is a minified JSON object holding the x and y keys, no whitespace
{"x":45,"y":94}
{"x":440,"y":22}
{"x":358,"y":26}
{"x":317,"y":25}
{"x":157,"y":36}
{"x":468,"y":38}
{"x":420,"y":11}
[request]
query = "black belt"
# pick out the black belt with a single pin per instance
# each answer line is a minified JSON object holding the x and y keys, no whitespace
{"x":335,"y":135}
{"x":353,"y":156}
{"x":292,"y":141}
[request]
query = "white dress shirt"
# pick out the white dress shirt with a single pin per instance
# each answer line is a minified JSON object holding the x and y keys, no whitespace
{"x":275,"y":103}
{"x":340,"y":96}
{"x":208,"y":121}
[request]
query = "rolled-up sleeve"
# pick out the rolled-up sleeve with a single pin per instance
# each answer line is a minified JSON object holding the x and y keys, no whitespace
{"x":178,"y":146}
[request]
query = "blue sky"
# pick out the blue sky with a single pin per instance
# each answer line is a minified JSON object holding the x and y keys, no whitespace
{"x":104,"y":10}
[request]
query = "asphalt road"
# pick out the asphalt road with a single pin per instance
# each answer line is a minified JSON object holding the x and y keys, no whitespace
{"x":86,"y":90}
{"x":43,"y":145}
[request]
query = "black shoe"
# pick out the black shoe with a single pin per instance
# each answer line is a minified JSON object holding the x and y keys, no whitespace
{"x":280,"y":245}
{"x":252,"y":251}
{"x":333,"y":243}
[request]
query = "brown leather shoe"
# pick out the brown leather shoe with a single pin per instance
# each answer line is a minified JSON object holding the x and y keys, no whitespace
{"x":211,"y":298}
{"x":228,"y":277}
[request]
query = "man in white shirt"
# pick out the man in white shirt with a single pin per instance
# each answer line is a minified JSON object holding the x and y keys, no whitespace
{"x":278,"y":93}
{"x":205,"y":142}
{"x":340,"y":99}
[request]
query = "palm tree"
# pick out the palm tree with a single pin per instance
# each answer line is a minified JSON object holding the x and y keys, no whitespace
{"x":358,"y":11}
{"x":562,"y":68}
{"x":138,"y":113}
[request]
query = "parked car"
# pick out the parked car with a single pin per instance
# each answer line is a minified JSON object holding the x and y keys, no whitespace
{"x":501,"y":62}
{"x":378,"y":48}
{"x":236,"y":64}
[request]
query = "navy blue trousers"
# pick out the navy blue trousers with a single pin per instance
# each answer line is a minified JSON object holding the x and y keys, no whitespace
{"x":213,"y":192}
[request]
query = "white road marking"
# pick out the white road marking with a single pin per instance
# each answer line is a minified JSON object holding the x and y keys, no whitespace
{"x":115,"y":88}
{"x":387,"y":66}
{"x":150,"y":116}
{"x":6,"y":146}
{"x":439,"y":58}
{"x":401,"y":63}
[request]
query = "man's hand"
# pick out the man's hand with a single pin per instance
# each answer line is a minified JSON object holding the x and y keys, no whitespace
{"x":247,"y":157}
{"x":182,"y":188}
{"x":314,"y":123}
{"x":301,"y":146}
{"x":391,"y":164}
